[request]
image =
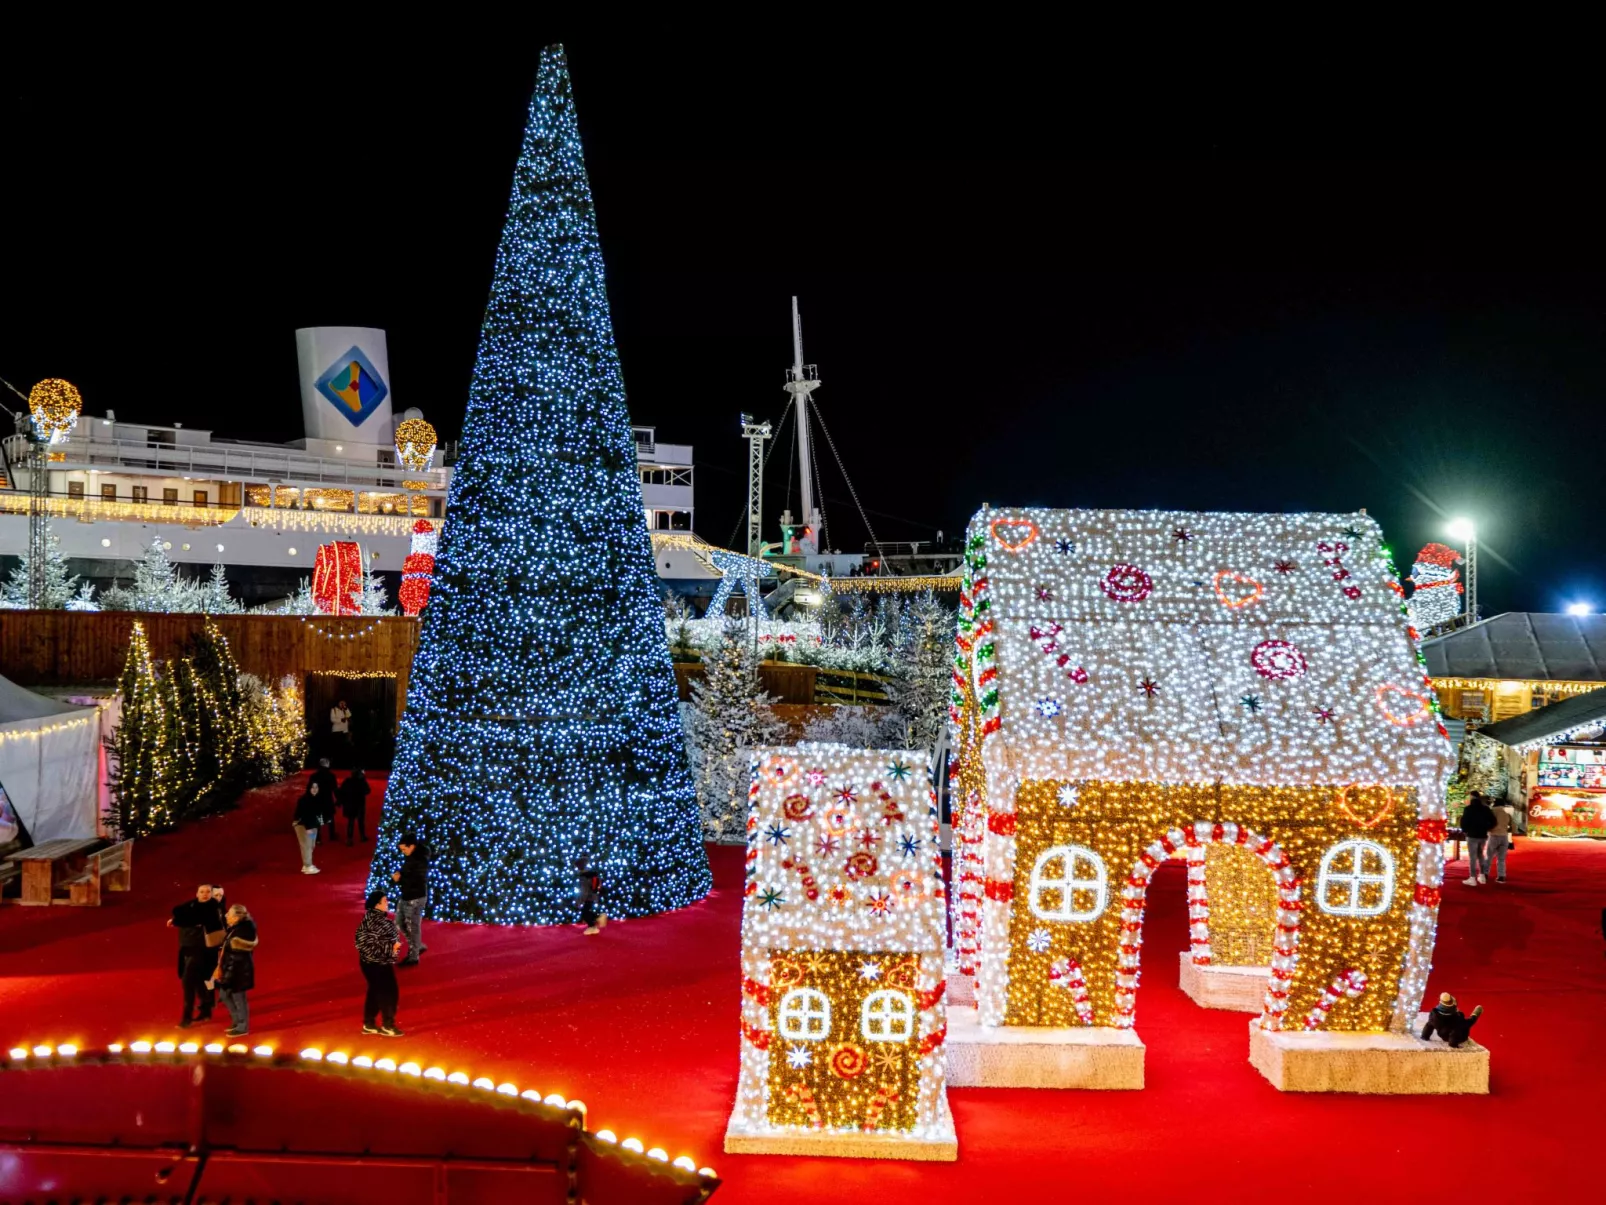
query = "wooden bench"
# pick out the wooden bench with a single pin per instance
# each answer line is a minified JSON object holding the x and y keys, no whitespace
{"x":109,"y":869}
{"x":50,"y":863}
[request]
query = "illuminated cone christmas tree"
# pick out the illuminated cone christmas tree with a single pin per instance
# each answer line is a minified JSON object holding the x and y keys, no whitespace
{"x":541,"y":725}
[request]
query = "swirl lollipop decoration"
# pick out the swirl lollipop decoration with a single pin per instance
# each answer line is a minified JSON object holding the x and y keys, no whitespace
{"x":415,"y":444}
{"x":55,"y":406}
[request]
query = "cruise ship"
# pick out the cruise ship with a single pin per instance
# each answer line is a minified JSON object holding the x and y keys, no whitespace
{"x":262,"y":509}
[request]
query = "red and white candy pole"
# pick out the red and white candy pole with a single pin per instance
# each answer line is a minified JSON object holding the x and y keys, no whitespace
{"x":1349,"y":983}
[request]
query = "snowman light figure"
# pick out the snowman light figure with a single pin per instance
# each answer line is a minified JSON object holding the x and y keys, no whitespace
{"x":1436,"y":598}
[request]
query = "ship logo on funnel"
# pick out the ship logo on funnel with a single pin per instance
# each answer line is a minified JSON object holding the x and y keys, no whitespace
{"x":353,"y":386}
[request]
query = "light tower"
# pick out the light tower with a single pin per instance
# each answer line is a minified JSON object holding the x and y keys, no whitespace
{"x":1466,"y":531}
{"x":755,"y":434}
{"x":801,"y":381}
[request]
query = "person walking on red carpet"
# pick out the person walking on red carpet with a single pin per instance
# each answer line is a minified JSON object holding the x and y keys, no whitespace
{"x":590,"y":897}
{"x":309,"y":815}
{"x":324,"y":779}
{"x":1499,"y":842}
{"x":1477,"y":818}
{"x":236,"y":969}
{"x":412,"y":886}
{"x":353,"y":796}
{"x":1450,"y":1023}
{"x":200,"y":930}
{"x":378,"y":943}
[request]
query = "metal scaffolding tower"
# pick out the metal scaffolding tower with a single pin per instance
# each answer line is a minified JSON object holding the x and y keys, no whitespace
{"x":755,"y":434}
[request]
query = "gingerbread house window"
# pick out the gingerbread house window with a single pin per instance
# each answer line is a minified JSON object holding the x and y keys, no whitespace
{"x":1069,"y":883}
{"x":887,"y":1016}
{"x":1356,"y":879}
{"x":805,"y":1015}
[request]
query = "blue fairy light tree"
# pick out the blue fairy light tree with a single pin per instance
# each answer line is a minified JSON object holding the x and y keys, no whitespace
{"x":541,"y":725}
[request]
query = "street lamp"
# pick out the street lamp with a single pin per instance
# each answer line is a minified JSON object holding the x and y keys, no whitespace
{"x":1464,"y":531}
{"x":1580,"y":609}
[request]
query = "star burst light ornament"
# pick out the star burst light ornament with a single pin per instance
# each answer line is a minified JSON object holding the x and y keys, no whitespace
{"x":844,"y":1016}
{"x":541,"y":725}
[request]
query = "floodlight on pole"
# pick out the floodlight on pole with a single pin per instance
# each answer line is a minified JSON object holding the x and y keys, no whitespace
{"x":1580,"y":608}
{"x":1466,"y":532}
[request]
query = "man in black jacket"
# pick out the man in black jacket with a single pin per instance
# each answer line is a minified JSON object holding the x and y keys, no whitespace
{"x":412,"y":886}
{"x":200,"y":930}
{"x":1477,"y":818}
{"x":1449,"y":1023}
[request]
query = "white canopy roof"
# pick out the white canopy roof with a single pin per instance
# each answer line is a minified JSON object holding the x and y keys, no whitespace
{"x":49,"y":762}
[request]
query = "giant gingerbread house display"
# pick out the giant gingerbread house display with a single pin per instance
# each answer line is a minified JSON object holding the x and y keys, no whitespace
{"x":1132,"y":686}
{"x":843,"y":1009}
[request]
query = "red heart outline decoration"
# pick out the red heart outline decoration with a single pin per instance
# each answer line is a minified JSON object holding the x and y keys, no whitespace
{"x":1342,"y":799}
{"x":1409,"y":720}
{"x":1238,"y":579}
{"x":1010,"y":524}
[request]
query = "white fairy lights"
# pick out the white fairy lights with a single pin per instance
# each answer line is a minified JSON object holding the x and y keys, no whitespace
{"x":1213,"y":678}
{"x":843,"y":1016}
{"x":541,"y":725}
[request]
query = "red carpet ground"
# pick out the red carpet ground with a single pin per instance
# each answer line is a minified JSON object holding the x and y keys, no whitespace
{"x":641,"y":1023}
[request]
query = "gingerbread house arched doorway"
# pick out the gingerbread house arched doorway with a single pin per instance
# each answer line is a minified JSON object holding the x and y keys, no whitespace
{"x":1193,"y":843}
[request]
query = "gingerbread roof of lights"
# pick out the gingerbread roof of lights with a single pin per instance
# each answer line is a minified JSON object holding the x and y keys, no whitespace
{"x":1176,"y":646}
{"x":846,"y":853}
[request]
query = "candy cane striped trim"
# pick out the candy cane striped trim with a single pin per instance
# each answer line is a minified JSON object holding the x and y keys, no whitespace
{"x":1067,"y":973}
{"x":1349,"y":983}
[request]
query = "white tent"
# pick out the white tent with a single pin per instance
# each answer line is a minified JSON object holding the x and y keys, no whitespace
{"x":49,"y":763}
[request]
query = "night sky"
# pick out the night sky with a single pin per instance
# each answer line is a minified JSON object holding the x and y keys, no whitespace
{"x":1019,"y":290}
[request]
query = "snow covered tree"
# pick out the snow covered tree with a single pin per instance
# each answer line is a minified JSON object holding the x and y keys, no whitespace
{"x":729,"y":716}
{"x":157,"y":586}
{"x":61,"y":587}
{"x":920,"y":687}
{"x":861,"y":727}
{"x":213,"y":597}
{"x":373,"y":600}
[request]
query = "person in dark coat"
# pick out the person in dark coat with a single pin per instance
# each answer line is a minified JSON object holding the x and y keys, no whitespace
{"x":412,"y":887}
{"x":590,"y":897}
{"x":378,"y":943}
{"x":1477,"y":818}
{"x":236,"y":969}
{"x":353,"y":797}
{"x":200,"y":931}
{"x":309,"y":815}
{"x":324,"y":779}
{"x":1450,"y":1023}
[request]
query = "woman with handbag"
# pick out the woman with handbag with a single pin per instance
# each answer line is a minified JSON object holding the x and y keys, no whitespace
{"x":236,"y":969}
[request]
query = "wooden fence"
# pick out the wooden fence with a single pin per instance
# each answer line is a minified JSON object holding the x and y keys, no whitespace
{"x":84,"y":648}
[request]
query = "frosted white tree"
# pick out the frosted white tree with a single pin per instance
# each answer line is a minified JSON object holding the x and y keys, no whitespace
{"x":729,"y":715}
{"x":213,"y":594}
{"x":924,"y":667}
{"x":372,"y":599}
{"x":61,"y":587}
{"x":860,"y":727}
{"x":157,"y":586}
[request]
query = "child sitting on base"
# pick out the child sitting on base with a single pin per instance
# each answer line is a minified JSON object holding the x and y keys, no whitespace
{"x":1449,"y":1022}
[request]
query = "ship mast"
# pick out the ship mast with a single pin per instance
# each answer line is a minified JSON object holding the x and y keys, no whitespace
{"x":801,"y":381}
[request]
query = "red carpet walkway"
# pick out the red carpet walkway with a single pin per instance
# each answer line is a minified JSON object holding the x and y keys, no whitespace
{"x":640,"y":1023}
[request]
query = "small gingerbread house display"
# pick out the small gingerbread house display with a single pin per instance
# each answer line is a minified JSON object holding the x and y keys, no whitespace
{"x":1132,"y":686}
{"x":843,"y":1010}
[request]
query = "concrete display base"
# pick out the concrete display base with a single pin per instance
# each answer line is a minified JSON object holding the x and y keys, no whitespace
{"x":1379,"y":1063}
{"x":1237,"y":989}
{"x":846,"y":1144}
{"x":1031,"y":1057}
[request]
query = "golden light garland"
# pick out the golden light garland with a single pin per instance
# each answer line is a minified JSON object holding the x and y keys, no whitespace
{"x":1516,"y":686}
{"x":415,"y":443}
{"x":96,"y":509}
{"x":55,"y":406}
{"x":334,"y":522}
{"x":42,"y":1054}
{"x":419,"y":485}
{"x":352,"y":673}
{"x":895,"y":585}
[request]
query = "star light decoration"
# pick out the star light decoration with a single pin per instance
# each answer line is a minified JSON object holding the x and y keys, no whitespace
{"x":843,"y":1017}
{"x":541,"y":723}
{"x":1068,"y":815}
